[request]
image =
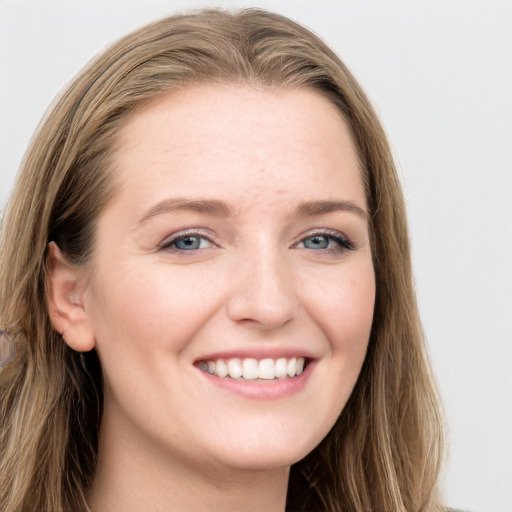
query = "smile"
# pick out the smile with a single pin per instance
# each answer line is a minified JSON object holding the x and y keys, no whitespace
{"x":253,"y":369}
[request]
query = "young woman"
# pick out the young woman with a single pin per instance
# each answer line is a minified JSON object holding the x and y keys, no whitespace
{"x":210,"y":287}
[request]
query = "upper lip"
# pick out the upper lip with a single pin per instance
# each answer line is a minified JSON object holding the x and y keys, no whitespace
{"x":258,"y":353}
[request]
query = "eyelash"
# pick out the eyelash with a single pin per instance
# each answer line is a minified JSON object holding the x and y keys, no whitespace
{"x":170,"y":242}
{"x":342,"y":244}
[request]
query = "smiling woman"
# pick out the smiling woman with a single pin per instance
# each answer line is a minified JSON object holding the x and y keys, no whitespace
{"x":211,"y":293}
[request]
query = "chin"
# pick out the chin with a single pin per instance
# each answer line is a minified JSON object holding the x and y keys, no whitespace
{"x":265,"y":449}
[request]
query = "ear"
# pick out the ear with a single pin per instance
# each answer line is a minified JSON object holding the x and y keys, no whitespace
{"x":65,"y":291}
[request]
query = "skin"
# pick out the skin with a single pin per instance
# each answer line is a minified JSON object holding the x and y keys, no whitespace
{"x":171,"y":439}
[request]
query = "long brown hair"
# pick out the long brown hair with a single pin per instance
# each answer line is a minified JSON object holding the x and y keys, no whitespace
{"x":383,"y":453}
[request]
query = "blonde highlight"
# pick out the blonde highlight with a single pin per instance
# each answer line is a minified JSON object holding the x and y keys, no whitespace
{"x":384,"y":452}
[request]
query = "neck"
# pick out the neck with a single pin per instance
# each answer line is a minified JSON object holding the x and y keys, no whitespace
{"x":136,"y":477}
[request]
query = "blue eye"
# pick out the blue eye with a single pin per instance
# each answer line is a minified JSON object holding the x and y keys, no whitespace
{"x":187,"y":243}
{"x":329,"y":242}
{"x":317,"y":242}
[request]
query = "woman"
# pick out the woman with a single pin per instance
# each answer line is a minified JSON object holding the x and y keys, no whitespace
{"x":211,"y":291}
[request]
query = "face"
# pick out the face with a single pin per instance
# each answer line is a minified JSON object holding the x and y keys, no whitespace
{"x":232,"y":288}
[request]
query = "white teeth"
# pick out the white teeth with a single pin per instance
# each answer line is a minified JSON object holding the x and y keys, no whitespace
{"x":221,"y":368}
{"x":280,"y":368}
{"x":291,"y":367}
{"x":252,"y":369}
{"x":266,"y":369}
{"x":235,"y":368}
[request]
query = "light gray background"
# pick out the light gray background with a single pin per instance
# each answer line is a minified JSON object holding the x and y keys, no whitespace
{"x":439,"y":74}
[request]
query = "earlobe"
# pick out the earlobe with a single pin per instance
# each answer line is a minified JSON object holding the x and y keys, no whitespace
{"x":64,"y":297}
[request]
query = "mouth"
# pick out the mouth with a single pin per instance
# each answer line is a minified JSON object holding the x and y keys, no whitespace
{"x":253,"y":370}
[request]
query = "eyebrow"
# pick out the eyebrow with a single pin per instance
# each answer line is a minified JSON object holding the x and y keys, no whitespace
{"x":219,"y":208}
{"x":209,"y":207}
{"x":311,"y":208}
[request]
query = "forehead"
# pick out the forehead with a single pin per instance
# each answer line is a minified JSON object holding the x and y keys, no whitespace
{"x":234,"y":140}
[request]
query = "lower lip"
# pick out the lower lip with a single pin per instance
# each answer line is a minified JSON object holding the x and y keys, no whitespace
{"x":262,"y":390}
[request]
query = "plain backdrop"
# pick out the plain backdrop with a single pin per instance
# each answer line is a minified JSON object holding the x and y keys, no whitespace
{"x":439,"y":74}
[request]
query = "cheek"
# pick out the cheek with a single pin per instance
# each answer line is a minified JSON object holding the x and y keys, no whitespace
{"x":154,"y":307}
{"x":357,"y":304}
{"x":144,"y":322}
{"x":344,"y":309}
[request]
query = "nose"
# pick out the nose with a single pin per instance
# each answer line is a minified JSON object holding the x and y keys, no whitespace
{"x":263,"y":291}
